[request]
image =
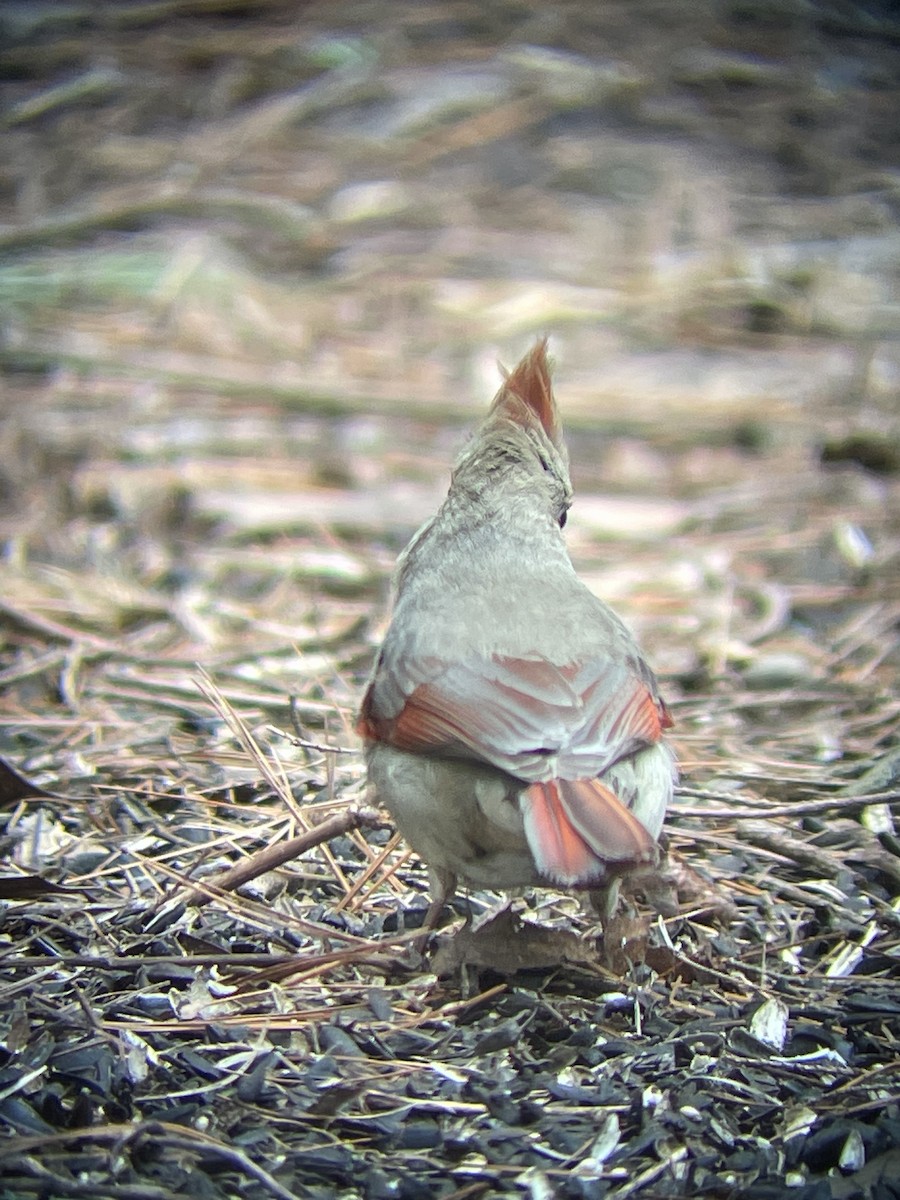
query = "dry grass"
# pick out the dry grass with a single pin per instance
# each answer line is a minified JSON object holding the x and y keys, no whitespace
{"x":232,"y":391}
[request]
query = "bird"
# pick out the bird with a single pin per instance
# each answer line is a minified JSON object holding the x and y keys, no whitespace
{"x":511,"y":726}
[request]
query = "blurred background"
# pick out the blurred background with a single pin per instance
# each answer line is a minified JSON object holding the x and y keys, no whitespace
{"x":260,"y":262}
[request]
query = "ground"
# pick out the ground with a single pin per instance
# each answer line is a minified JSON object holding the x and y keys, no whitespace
{"x":259,"y":264}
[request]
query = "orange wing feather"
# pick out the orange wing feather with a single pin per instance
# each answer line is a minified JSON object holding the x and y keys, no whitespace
{"x":493,"y":714}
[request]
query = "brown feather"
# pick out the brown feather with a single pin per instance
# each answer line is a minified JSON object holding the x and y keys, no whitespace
{"x":576,"y":827}
{"x":530,"y":384}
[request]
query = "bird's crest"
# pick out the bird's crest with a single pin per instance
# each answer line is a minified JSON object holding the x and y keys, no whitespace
{"x":529,"y":385}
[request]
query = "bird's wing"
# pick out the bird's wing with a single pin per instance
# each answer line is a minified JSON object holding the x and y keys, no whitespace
{"x":555,"y":728}
{"x":518,"y":714}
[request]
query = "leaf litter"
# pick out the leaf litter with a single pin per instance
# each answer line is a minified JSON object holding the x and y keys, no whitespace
{"x":230,"y":396}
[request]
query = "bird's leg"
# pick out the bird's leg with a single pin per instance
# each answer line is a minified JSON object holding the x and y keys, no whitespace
{"x":442,"y":887}
{"x":606,"y":899}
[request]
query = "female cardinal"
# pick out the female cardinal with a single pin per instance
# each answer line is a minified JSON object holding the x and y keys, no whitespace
{"x":512,"y":727}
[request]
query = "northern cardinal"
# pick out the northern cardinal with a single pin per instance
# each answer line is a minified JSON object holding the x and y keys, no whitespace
{"x":512,"y":727}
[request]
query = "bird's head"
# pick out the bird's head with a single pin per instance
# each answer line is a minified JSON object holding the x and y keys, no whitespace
{"x":519,"y":447}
